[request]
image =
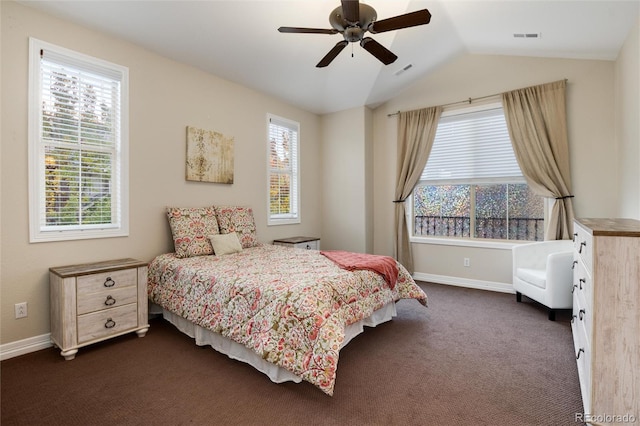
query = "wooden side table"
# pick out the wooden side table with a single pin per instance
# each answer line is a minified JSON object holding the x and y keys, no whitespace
{"x":93,"y":302}
{"x":309,"y":243}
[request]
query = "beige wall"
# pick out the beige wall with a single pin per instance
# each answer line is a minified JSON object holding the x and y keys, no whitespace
{"x":369,"y":213}
{"x":342,"y":155}
{"x":165,"y":97}
{"x":594,"y":158}
{"x":347,"y":165}
{"x":627,"y":107}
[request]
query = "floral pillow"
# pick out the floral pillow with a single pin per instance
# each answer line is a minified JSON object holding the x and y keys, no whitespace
{"x":239,"y":220}
{"x":190,"y":228}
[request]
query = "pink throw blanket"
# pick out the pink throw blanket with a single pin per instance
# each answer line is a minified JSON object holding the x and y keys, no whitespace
{"x":384,"y":265}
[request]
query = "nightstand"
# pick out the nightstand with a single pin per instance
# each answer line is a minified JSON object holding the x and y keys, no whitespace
{"x":93,"y":302}
{"x":309,"y":243}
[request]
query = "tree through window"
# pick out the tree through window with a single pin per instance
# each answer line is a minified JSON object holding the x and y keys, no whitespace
{"x":77,"y":145}
{"x":283,"y":171}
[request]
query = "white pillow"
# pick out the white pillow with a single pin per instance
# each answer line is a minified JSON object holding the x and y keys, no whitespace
{"x":225,"y":243}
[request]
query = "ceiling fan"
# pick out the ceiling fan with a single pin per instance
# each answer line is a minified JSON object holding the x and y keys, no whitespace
{"x":353,"y":19}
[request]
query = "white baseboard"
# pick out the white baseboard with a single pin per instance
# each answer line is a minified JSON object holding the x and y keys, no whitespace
{"x":25,"y":346}
{"x":465,"y":282}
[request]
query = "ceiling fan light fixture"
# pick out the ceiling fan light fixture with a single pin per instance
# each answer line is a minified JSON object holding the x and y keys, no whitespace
{"x":353,"y":34}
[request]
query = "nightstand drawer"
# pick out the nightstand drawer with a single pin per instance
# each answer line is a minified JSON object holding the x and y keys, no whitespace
{"x":106,"y":299}
{"x":106,"y":281}
{"x":106,"y":323}
{"x":309,"y":243}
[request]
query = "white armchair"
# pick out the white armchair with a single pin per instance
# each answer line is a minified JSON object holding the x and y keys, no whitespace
{"x":542,"y":271}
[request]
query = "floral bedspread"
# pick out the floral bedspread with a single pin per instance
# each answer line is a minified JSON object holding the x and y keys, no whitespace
{"x":289,"y":305}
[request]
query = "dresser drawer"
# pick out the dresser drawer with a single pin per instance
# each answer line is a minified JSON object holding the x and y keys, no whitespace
{"x":106,"y":299}
{"x":583,"y":244}
{"x":106,"y":281}
{"x":582,"y":283}
{"x":582,"y":316}
{"x":107,"y":322}
{"x":582,"y":351}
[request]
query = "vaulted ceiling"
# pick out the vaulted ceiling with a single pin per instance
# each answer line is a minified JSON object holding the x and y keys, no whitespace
{"x":238,"y":40}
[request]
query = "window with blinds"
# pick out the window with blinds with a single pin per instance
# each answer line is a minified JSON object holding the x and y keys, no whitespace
{"x":78,"y":145}
{"x":472,"y":186}
{"x":472,"y":147}
{"x":283,"y":179}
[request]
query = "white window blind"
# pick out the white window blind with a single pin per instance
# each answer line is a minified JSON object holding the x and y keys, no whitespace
{"x":78,"y":145}
{"x":283,"y":171}
{"x":472,"y":147}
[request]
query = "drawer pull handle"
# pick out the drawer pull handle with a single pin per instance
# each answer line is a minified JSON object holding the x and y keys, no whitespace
{"x":109,"y":282}
{"x":574,"y":237}
{"x":110,"y":323}
{"x":110,"y":301}
{"x":574,"y":288}
{"x":582,"y":281}
{"x":573,"y":318}
{"x":582,"y":244}
{"x":581,"y":314}
{"x":573,"y":265}
{"x":579,"y":352}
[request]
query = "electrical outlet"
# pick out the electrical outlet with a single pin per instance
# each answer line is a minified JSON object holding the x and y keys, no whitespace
{"x":467,"y":262}
{"x":21,"y":310}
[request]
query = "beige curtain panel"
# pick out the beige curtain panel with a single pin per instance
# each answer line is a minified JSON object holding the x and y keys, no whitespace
{"x":416,"y":132}
{"x":537,"y":123}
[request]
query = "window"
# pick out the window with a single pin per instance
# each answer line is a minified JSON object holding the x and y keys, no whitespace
{"x":78,"y":147}
{"x":284,"y":187}
{"x":472,"y":186}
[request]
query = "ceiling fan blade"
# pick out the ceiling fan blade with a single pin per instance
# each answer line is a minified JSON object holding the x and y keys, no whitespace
{"x":332,"y":54}
{"x":351,"y":10}
{"x":383,"y":54}
{"x":307,"y":30}
{"x":407,"y":20}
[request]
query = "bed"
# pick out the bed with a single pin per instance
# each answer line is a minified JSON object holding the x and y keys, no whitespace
{"x":285,"y":311}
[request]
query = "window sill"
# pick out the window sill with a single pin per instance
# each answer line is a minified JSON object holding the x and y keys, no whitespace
{"x":50,"y":236}
{"x":466,"y":242}
{"x":277,"y":222}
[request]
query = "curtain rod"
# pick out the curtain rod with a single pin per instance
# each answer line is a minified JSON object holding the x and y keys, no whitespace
{"x":469,"y":100}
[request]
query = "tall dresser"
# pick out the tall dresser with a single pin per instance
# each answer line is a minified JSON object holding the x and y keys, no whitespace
{"x":606,"y":318}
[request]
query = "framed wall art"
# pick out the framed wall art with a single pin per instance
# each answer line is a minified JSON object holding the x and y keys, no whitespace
{"x":209,"y":156}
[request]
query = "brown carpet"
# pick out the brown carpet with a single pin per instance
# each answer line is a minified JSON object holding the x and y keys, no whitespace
{"x":472,"y":358}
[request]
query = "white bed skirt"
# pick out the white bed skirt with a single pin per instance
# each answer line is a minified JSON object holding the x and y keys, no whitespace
{"x":239,"y":352}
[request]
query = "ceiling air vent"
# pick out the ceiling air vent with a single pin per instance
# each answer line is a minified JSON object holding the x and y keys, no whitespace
{"x":403,"y":69}
{"x":527,"y":35}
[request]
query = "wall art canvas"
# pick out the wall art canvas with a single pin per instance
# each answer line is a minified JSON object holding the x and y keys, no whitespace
{"x":209,"y":156}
